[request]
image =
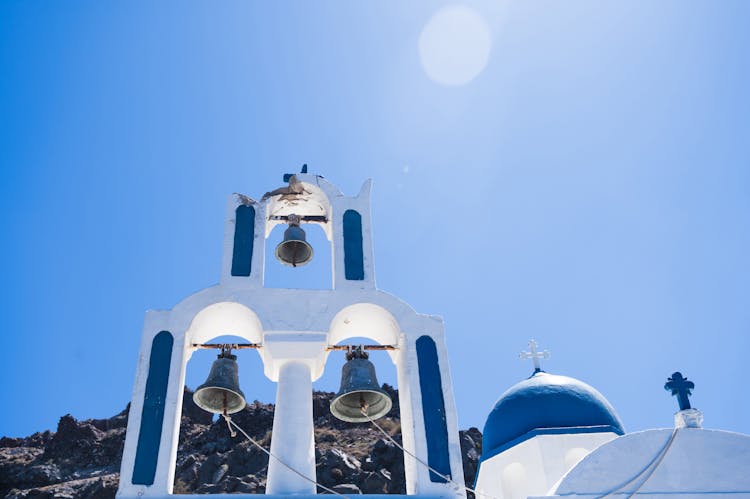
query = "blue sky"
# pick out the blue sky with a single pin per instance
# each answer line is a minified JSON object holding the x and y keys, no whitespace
{"x":590,"y":188}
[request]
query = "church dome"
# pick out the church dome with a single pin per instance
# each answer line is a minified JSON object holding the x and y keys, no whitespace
{"x":546,"y":404}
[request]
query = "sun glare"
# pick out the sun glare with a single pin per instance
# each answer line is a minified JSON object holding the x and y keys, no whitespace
{"x":454,"y":45}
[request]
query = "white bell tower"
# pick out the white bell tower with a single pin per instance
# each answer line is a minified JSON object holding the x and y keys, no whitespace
{"x":294,"y":330}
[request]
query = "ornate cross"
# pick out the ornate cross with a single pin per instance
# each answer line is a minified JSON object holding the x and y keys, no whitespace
{"x":681,"y":387}
{"x":534,"y":355}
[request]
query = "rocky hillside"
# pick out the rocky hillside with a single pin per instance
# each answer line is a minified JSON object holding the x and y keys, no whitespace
{"x":82,"y":458}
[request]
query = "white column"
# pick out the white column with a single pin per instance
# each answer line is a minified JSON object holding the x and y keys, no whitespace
{"x":292,"y":440}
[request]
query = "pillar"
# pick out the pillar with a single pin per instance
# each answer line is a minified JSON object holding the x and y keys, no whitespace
{"x":292,"y":440}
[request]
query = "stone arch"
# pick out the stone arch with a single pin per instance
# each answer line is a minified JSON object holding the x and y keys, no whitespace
{"x":365,"y":320}
{"x":224,"y":318}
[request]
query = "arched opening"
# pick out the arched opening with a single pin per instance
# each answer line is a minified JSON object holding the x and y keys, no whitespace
{"x":316,"y":274}
{"x":224,"y":318}
{"x":365,"y":320}
{"x":358,"y":454}
{"x":357,"y":457}
{"x":209,"y":459}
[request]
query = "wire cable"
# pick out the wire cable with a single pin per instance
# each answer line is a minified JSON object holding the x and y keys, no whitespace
{"x":444,"y":477}
{"x":231,"y":423}
{"x":658,"y":462}
{"x":649,"y":469}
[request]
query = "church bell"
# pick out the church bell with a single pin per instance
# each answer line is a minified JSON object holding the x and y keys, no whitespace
{"x":359,"y":391}
{"x":294,"y":250}
{"x":221,"y":392}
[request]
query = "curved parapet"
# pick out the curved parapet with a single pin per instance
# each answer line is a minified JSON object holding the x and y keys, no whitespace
{"x":310,"y":199}
{"x":664,"y":463}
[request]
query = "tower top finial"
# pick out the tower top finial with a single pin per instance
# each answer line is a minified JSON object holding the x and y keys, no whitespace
{"x":681,"y":387}
{"x":534,"y":355}
{"x":288,"y":176}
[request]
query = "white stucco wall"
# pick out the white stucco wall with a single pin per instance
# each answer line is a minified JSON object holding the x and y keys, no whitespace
{"x":535,"y":465}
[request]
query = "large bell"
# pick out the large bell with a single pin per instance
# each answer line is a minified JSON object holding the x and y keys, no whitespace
{"x":359,"y":390}
{"x":221,"y":392}
{"x":294,"y":249}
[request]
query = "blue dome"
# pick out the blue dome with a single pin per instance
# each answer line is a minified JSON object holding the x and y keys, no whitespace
{"x":546,"y":403}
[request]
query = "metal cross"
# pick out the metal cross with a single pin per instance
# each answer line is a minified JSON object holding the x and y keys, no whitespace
{"x":681,"y":387}
{"x":535,"y":355}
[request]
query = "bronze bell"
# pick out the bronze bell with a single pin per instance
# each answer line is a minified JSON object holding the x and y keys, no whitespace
{"x":359,"y":391}
{"x":294,"y":249}
{"x":221,"y":392}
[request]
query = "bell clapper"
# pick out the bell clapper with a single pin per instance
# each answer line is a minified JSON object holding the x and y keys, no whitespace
{"x":294,"y":220}
{"x":363,"y":405}
{"x":225,"y":351}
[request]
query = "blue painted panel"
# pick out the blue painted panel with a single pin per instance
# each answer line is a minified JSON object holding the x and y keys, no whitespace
{"x":244,"y":234}
{"x":433,"y":407}
{"x":354,"y":263}
{"x":152,"y":417}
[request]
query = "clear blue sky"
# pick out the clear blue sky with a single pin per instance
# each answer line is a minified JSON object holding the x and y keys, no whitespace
{"x":590,"y":188}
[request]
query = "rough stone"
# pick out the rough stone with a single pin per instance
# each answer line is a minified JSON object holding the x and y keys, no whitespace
{"x":375,"y":482}
{"x":470,"y":451}
{"x":82,"y":458}
{"x":346,"y":488}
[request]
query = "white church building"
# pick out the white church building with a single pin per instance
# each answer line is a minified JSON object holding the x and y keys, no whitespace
{"x":547,"y":436}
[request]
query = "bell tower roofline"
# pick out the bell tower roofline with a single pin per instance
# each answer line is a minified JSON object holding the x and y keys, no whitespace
{"x":306,"y":199}
{"x":294,"y":332}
